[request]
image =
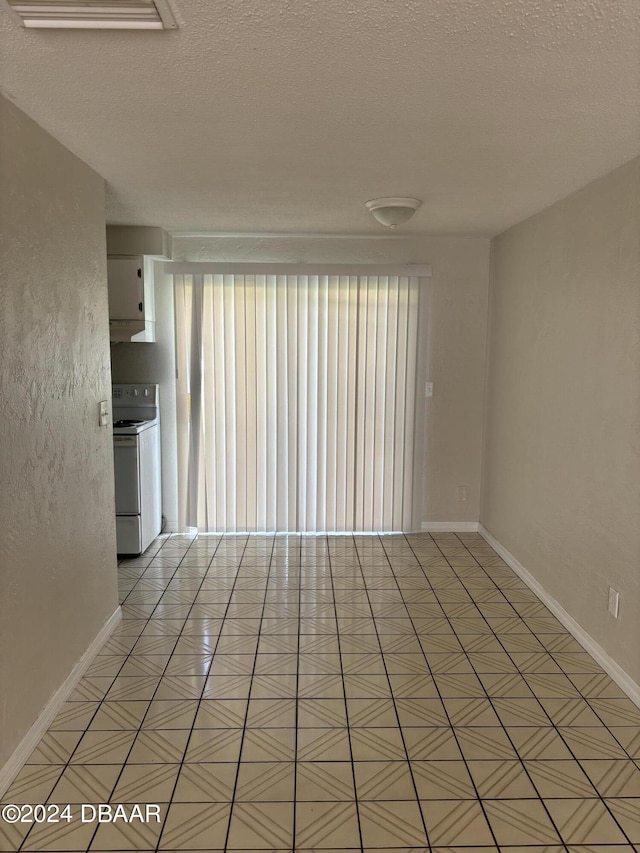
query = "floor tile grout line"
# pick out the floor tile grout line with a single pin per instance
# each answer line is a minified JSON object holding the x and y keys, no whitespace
{"x":395,"y":707}
{"x":181,"y":763}
{"x":246,"y":713}
{"x":346,"y":708}
{"x":86,"y":729}
{"x":93,"y":716}
{"x":177,"y":640}
{"x":503,"y":726}
{"x":446,"y":713}
{"x":551,"y":721}
{"x":297,"y":704}
{"x":519,"y":757}
{"x":552,"y":725}
{"x":605,"y":724}
{"x":461,"y":578}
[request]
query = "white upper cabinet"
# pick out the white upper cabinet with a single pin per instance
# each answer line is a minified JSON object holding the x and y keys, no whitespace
{"x":131,"y":302}
{"x":126,"y":288}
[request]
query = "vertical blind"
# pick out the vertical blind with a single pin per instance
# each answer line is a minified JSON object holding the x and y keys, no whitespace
{"x":296,"y":401}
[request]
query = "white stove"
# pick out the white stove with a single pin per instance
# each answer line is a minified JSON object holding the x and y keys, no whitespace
{"x":135,"y":408}
{"x":130,"y":426}
{"x":136,"y":452}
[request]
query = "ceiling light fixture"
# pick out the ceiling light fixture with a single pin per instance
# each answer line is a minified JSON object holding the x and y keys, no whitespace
{"x":392,"y":211}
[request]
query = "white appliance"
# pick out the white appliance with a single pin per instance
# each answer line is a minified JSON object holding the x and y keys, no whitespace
{"x":136,"y":455}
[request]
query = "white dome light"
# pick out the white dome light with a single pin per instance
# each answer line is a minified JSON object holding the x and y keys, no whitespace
{"x":392,"y":211}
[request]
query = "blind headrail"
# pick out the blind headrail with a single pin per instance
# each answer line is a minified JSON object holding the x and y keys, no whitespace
{"x":253,"y":268}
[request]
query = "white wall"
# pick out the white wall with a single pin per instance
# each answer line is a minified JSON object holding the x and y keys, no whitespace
{"x":453,"y":339}
{"x":561,"y":486}
{"x":57,"y":524}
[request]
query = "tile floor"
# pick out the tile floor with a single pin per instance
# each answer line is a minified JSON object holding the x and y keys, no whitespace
{"x":338,"y":693}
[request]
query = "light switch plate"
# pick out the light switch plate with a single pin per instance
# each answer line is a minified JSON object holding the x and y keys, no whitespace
{"x":104,"y":413}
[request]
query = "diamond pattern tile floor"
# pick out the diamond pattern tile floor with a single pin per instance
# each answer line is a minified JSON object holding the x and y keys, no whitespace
{"x":337,"y":694}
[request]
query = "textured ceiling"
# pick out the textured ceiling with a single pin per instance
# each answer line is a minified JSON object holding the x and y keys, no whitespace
{"x":287,"y":115}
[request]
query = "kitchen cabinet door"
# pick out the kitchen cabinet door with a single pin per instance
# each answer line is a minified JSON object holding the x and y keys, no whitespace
{"x":126,"y":288}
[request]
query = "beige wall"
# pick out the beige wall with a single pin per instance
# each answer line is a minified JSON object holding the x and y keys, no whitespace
{"x":57,"y":526}
{"x":561,"y":484}
{"x":453,"y":338}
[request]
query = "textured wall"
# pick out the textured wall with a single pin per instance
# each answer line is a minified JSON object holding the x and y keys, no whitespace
{"x":561,"y":486}
{"x":57,"y":525}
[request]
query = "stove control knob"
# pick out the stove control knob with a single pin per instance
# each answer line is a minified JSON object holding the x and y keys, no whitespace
{"x":146,"y":392}
{"x":135,"y":392}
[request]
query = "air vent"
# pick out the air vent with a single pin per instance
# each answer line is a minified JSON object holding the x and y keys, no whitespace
{"x":94,"y":14}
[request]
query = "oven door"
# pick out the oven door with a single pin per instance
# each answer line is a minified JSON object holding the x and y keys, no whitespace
{"x":127,"y":474}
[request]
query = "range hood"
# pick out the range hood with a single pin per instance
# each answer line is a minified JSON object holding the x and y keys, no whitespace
{"x":131,"y":330}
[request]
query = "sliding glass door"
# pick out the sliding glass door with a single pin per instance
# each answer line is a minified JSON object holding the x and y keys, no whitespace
{"x":296,"y":401}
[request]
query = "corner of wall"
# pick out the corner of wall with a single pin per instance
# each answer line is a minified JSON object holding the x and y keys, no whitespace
{"x":487,"y":382}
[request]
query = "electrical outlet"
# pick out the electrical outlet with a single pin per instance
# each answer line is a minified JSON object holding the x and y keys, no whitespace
{"x":461,"y":493}
{"x":103,"y":414}
{"x":614,"y":602}
{"x":428,"y":389}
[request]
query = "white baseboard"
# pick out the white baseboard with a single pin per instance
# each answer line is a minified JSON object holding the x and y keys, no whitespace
{"x":613,"y":669}
{"x":450,"y":526}
{"x":53,"y":706}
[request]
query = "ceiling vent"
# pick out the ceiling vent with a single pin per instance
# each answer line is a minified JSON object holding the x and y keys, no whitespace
{"x":93,"y":14}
